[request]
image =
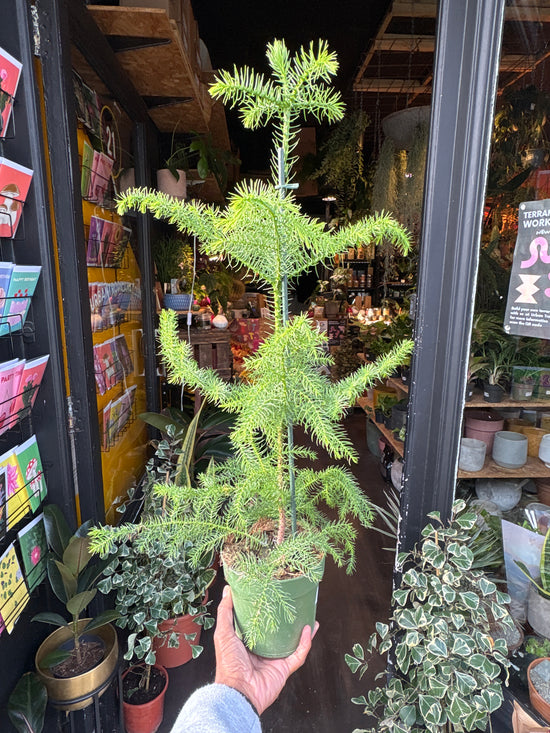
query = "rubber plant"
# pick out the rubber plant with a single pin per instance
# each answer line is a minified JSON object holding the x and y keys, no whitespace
{"x":442,"y":632}
{"x":266,"y":515}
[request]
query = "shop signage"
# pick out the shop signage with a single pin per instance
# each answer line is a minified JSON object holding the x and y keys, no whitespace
{"x":528,"y":306}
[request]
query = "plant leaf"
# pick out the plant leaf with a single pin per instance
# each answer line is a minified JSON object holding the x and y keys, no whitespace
{"x":27,"y":704}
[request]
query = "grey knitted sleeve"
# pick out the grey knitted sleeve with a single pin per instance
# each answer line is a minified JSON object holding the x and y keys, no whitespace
{"x":217,"y":709}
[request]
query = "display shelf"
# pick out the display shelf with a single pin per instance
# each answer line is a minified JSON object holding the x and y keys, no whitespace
{"x":534,"y":468}
{"x":397,"y":384}
{"x":366,"y":404}
{"x":190,"y":105}
{"x":478,"y":401}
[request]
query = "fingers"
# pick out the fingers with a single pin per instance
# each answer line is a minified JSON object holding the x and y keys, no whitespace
{"x":295,"y":660}
{"x":224,"y":623}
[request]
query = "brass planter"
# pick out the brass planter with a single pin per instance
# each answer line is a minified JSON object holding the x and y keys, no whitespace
{"x":62,"y":691}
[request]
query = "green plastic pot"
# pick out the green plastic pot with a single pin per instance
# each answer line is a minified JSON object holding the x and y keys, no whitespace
{"x":284,"y":640}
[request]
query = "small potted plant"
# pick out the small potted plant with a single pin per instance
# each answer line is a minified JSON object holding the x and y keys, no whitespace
{"x":72,"y":661}
{"x":447,"y":664}
{"x":476,"y":364}
{"x":496,"y":372}
{"x":264,"y":513}
{"x":538,"y":610}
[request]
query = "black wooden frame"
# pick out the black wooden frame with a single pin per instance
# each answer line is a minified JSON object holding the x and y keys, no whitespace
{"x":465,"y":79}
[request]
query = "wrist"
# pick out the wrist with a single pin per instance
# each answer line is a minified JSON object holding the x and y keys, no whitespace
{"x":239,"y":687}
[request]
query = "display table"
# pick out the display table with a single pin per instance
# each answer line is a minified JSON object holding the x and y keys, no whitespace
{"x":211,"y":348}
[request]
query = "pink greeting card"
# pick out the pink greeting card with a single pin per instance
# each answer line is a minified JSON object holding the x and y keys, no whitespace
{"x":29,"y":384}
{"x":10,"y":72}
{"x":15,"y":181}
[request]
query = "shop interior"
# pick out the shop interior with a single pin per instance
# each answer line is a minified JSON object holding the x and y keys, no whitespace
{"x":181,"y":308}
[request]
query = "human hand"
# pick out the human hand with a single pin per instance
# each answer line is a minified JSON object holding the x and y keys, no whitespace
{"x":259,"y":680}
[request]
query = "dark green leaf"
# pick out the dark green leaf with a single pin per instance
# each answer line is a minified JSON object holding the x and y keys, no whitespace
{"x":48,"y":617}
{"x":27,"y":704}
{"x":57,"y":530}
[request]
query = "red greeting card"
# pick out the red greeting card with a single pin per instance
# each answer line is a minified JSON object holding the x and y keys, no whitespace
{"x":10,"y":72}
{"x":15,"y":181}
{"x":29,"y":384}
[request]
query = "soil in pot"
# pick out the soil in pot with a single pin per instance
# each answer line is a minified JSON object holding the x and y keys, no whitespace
{"x":538,"y":676}
{"x":145,"y":716}
{"x":91,"y":652}
{"x":136,"y":695}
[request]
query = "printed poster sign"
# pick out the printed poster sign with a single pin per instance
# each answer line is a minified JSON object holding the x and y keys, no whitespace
{"x":528,"y":306}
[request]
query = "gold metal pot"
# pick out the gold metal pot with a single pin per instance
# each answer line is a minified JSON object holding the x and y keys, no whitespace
{"x":62,"y":690}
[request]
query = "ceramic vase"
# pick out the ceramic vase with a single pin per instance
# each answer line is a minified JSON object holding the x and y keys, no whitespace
{"x":510,"y":449}
{"x":544,"y":450}
{"x":472,"y":454}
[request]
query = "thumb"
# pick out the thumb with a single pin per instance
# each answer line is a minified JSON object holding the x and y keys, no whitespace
{"x":295,"y":660}
{"x":224,"y":623}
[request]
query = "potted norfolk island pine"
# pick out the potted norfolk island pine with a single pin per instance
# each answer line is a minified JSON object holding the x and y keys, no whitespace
{"x":264,"y":513}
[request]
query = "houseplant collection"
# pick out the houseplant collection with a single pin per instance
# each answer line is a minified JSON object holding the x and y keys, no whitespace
{"x":448,"y":659}
{"x":539,"y":592}
{"x":264,"y":513}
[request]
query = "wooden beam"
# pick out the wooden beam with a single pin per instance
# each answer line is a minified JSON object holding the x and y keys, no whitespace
{"x":405,"y":42}
{"x":393,"y":86}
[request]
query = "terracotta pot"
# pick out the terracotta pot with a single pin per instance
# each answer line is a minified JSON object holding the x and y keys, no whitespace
{"x":482,"y":425}
{"x":176,"y":656}
{"x":541,"y":705}
{"x":145,"y":718}
{"x":534,"y":436}
{"x":543,"y":490}
{"x":61,"y":691}
{"x":168,"y":184}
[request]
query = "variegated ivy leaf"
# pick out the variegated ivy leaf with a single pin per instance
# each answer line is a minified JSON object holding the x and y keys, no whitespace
{"x":449,"y":594}
{"x":492,"y":700}
{"x":352,"y":663}
{"x":466,"y":521}
{"x":433,"y":554}
{"x":411,"y":578}
{"x":500,"y":612}
{"x":400,"y":597}
{"x":372,"y":643}
{"x":208,"y":622}
{"x":421,"y":617}
{"x":471,"y":721}
{"x":412,"y":638}
{"x":417,"y":655}
{"x":486,"y":586}
{"x":150,"y":658}
{"x":408,"y":715}
{"x":357,"y":649}
{"x":441,"y":627}
{"x":430,"y":709}
{"x":437,"y":688}
{"x":359,"y":700}
{"x":196,"y":650}
{"x":385,"y":646}
{"x":406,"y":619}
{"x":470,"y":600}
{"x":458,"y":710}
{"x":437,"y":647}
{"x":402,"y":657}
{"x":465,"y":682}
{"x":383,"y":631}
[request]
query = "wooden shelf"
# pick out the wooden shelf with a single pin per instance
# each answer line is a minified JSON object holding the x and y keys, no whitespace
{"x":478,"y":401}
{"x":397,"y":384}
{"x":366,"y":404}
{"x":163,"y":70}
{"x":534,"y":468}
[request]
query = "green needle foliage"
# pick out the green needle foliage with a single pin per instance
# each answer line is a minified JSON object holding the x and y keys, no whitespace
{"x":272,"y":514}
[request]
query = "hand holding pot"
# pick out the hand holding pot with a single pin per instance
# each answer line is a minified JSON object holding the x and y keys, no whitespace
{"x":259,"y":680}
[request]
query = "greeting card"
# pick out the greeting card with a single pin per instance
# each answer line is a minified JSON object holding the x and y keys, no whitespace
{"x":86,"y":174}
{"x":94,"y":241}
{"x":17,"y":499}
{"x":10,"y":378}
{"x":13,"y":591}
{"x":123,"y":354}
{"x":6,"y":268}
{"x":3,"y":502}
{"x":31,"y":378}
{"x":15,"y":181}
{"x":18,"y":300}
{"x":102,"y":166}
{"x":10,"y":73}
{"x":30,"y":464}
{"x":34,"y":549}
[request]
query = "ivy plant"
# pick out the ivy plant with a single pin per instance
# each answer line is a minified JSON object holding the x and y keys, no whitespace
{"x":447,"y":665}
{"x":270,"y":510}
